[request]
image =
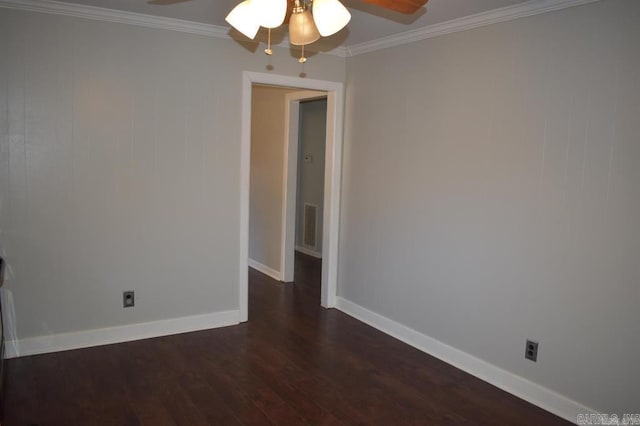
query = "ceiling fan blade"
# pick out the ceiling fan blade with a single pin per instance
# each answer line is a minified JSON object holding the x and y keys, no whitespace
{"x":165,"y":2}
{"x":407,"y":7}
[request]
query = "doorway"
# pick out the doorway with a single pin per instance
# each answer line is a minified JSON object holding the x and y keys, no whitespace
{"x":294,"y":211}
{"x":332,"y":180}
{"x":310,"y":182}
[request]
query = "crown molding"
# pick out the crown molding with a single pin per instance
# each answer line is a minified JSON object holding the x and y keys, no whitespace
{"x":138,"y":19}
{"x":341,"y":51}
{"x":117,"y":16}
{"x":508,"y":13}
{"x":529,"y":8}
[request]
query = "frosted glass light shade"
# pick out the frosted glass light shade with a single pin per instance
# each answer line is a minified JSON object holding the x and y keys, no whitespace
{"x":330,"y":16}
{"x":270,"y":13}
{"x":244,"y":18}
{"x":302,"y":29}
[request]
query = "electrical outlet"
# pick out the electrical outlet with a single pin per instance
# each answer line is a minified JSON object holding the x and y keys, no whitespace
{"x":531,"y":351}
{"x":128,"y":299}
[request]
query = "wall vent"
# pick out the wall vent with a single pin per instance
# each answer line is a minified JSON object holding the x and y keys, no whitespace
{"x":310,"y":225}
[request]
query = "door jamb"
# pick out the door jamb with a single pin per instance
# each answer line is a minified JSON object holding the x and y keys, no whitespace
{"x":332,"y":181}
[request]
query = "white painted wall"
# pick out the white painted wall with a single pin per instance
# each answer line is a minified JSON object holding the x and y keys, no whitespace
{"x":491,"y":194}
{"x":119,"y":169}
{"x":312,"y":141}
{"x":267,"y":156}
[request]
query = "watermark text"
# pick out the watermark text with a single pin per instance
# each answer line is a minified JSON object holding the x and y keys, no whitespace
{"x":609,"y":419}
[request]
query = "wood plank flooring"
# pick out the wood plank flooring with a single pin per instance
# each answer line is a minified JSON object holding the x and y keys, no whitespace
{"x":292,"y":363}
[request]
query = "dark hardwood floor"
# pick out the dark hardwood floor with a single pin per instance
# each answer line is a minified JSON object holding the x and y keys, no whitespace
{"x":292,"y":363}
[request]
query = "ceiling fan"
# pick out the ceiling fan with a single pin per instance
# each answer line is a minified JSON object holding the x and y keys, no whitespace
{"x":308,"y":19}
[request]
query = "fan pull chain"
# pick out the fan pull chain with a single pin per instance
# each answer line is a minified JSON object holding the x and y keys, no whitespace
{"x":268,"y":50}
{"x":302,"y":73}
{"x":302,"y":59}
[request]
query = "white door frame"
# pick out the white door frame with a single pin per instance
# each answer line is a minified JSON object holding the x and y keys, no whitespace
{"x":290,"y":178}
{"x":332,"y":181}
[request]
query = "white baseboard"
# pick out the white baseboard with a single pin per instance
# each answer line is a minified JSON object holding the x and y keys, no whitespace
{"x":276,"y":275}
{"x":125,"y":333}
{"x":512,"y":383}
{"x":309,"y":252}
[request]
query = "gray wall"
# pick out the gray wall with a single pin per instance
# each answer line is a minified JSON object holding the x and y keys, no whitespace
{"x":119,"y":169}
{"x":491,"y":194}
{"x":313,"y":126}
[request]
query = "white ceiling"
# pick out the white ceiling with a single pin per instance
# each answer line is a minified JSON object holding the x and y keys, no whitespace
{"x":368,"y":22}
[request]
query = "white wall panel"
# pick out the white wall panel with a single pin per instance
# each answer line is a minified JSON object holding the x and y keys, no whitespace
{"x":120,"y":169}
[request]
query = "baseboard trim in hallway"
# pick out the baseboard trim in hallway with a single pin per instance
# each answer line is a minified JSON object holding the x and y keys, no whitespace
{"x":276,"y":275}
{"x":509,"y":382}
{"x":309,"y":252}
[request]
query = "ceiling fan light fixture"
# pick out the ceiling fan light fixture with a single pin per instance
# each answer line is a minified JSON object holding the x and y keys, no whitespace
{"x":302,"y":28}
{"x":330,"y":16}
{"x":243,"y":18}
{"x":271,"y":13}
